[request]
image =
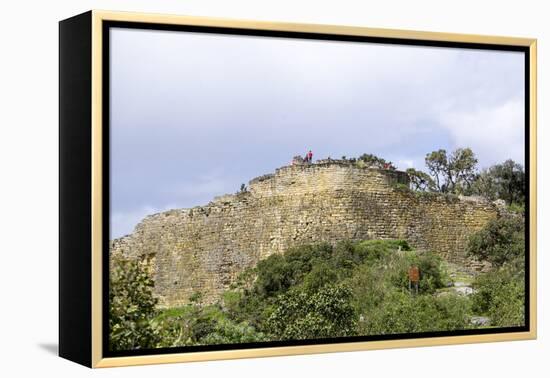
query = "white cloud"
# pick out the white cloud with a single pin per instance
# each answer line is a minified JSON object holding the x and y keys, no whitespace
{"x":495,"y":133}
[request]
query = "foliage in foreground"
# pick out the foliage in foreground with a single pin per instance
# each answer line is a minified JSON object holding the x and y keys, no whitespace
{"x":321,"y":291}
{"x":500,"y":293}
{"x":132,"y":307}
{"x":354,"y":288}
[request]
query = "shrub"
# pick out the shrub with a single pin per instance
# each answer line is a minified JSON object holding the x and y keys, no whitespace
{"x":500,"y":295}
{"x":278,"y":273}
{"x":370,"y":285}
{"x":403,"y":313}
{"x":132,"y":307}
{"x":508,"y":305}
{"x":205,"y":325}
{"x":246,"y":306}
{"x":430,"y":265}
{"x":349,"y":254}
{"x":317,"y":291}
{"x":501,"y":241}
{"x":227,"y":332}
{"x":320,"y":275}
{"x":517,"y":208}
{"x":299,"y":314}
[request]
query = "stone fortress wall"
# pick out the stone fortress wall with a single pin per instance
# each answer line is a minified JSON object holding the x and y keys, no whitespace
{"x":203,"y":249}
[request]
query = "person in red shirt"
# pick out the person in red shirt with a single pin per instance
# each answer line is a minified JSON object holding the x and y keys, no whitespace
{"x":309,"y":156}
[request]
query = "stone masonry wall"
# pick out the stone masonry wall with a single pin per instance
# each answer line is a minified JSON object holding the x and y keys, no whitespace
{"x":203,"y":249}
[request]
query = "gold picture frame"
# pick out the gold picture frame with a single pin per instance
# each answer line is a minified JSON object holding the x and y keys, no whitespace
{"x":82,"y":276}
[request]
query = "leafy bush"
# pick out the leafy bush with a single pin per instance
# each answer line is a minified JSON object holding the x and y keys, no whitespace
{"x":319,"y":291}
{"x":374,"y":271}
{"x":132,"y":307}
{"x":501,"y":241}
{"x":246,"y":306}
{"x":500,"y":295}
{"x":430,"y":265}
{"x":517,"y":208}
{"x":348,"y":255}
{"x":403,"y":313}
{"x":194,"y":325}
{"x":227,"y":332}
{"x":320,"y":275}
{"x":278,"y":273}
{"x":300,"y":315}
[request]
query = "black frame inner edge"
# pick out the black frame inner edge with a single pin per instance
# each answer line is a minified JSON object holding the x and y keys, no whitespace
{"x":107,"y":25}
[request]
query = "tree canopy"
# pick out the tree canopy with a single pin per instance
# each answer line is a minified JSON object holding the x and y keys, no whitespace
{"x":452,"y":172}
{"x":420,"y":180}
{"x":505,"y":181}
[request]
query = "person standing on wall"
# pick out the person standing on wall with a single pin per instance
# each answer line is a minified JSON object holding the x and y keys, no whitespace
{"x":309,"y":156}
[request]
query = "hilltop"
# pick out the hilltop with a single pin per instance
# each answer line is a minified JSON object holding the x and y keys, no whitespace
{"x":204,"y":249}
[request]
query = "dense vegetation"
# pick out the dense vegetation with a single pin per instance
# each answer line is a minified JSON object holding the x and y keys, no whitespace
{"x":500,"y":293}
{"x":321,"y":291}
{"x":132,"y":307}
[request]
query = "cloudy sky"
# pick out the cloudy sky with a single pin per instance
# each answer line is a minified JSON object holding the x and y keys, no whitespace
{"x":195,"y":115}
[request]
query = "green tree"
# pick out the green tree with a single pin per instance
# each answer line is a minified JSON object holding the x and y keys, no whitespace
{"x":437,"y":164}
{"x":454,"y":172}
{"x":505,"y":181}
{"x":501,"y":241}
{"x":485,"y":185}
{"x":132,"y":306}
{"x":420,"y":181}
{"x":462,"y":167}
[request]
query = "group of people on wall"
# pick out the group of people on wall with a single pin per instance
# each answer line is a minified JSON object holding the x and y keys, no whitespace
{"x":307,"y":159}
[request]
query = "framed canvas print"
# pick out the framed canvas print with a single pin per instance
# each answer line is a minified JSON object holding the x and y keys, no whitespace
{"x":235,"y":189}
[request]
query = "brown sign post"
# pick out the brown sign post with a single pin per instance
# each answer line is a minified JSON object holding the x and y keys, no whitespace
{"x":414,"y":277}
